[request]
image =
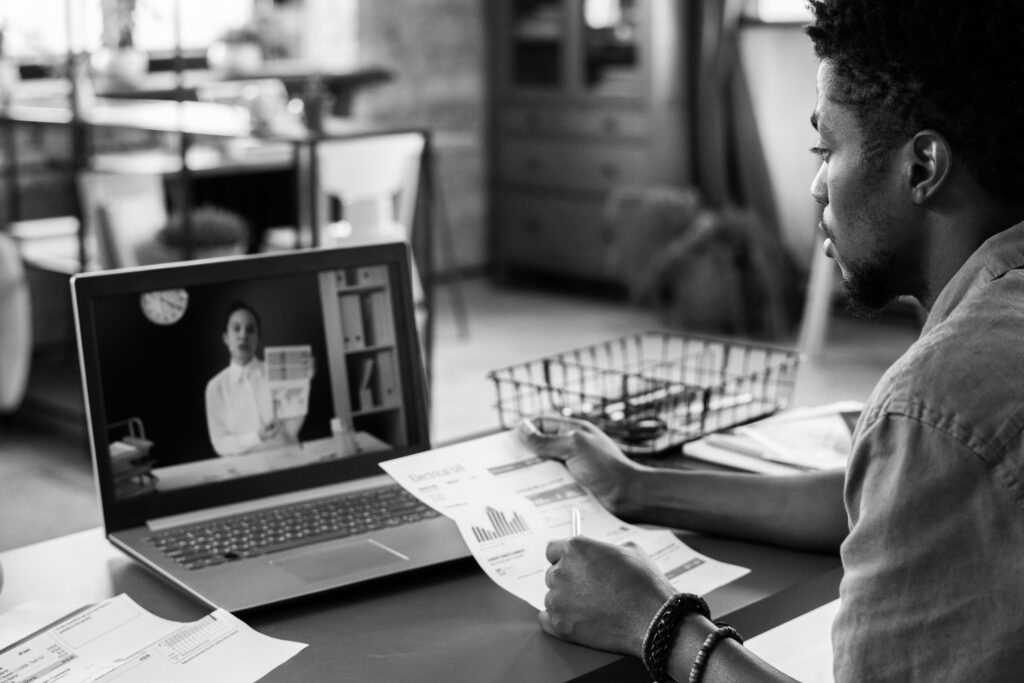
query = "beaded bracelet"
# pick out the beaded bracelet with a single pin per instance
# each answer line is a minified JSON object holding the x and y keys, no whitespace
{"x":662,"y":632}
{"x":723,"y":631}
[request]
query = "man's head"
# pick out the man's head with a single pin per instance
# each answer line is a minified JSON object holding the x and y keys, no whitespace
{"x":241,"y":332}
{"x":911,"y":93}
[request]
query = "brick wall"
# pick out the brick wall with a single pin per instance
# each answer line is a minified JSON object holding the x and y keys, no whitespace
{"x":437,"y":50}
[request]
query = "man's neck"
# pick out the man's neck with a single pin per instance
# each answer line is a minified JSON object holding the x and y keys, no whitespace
{"x":955,"y":237}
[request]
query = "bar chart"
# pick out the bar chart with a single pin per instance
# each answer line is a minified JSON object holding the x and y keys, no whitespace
{"x":501,"y":526}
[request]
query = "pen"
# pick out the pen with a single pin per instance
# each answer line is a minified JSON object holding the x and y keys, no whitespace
{"x":577,"y":522}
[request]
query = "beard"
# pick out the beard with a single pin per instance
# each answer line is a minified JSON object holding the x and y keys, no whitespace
{"x":870,"y":286}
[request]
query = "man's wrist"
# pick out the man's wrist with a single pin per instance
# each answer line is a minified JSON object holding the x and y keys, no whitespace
{"x":632,"y":501}
{"x":676,"y":630}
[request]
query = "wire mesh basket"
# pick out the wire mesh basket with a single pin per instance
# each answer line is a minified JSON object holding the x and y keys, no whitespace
{"x":652,"y":391}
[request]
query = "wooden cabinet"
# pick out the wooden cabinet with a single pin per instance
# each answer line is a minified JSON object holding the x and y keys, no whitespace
{"x":588,"y":96}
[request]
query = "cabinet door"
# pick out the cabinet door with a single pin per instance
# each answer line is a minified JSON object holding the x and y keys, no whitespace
{"x":536,"y":45}
{"x":608,"y":52}
{"x":555,"y":235}
{"x":579,"y":47}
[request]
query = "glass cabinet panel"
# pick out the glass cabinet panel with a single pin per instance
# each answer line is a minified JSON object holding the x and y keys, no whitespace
{"x":611,"y":57}
{"x":538,"y":34}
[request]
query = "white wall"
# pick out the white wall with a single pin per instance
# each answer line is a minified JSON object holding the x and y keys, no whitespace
{"x":781,"y":67}
{"x":329,"y":31}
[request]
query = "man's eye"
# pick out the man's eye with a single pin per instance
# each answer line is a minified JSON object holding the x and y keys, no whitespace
{"x":820,"y":152}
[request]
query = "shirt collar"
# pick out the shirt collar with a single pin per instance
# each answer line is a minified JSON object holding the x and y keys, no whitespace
{"x":998,"y":255}
{"x":237,"y":372}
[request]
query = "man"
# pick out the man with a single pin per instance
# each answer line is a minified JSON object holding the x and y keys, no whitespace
{"x":918,"y":114}
{"x":240,"y":413}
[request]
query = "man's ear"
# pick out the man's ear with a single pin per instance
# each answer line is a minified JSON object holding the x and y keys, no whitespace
{"x":931,"y":160}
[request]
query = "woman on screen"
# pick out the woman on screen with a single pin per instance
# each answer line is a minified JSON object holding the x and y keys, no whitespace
{"x":240,"y":413}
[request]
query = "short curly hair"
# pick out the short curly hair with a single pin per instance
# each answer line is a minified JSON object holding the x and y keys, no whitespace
{"x":955,"y":66}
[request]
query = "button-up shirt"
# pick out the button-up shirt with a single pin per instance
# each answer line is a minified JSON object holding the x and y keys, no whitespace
{"x":238,"y":405}
{"x":933,"y":588}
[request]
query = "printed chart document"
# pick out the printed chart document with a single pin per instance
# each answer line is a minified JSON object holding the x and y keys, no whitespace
{"x":289,"y":371}
{"x":509,"y":503}
{"x":117,"y":640}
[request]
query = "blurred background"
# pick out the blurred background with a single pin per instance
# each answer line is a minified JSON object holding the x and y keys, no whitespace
{"x":580,"y":170}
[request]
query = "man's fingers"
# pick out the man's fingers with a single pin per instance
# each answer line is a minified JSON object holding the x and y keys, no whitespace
{"x":545,"y":623}
{"x":550,"y":446}
{"x":555,"y":550}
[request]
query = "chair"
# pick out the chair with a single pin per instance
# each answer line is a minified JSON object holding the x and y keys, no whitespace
{"x":373,"y":183}
{"x":123,"y":212}
{"x":15,"y":327}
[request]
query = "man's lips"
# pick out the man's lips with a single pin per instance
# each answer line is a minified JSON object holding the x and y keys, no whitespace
{"x":828,"y":245}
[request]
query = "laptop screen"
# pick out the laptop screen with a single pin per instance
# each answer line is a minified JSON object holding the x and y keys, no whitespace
{"x":216,"y":382}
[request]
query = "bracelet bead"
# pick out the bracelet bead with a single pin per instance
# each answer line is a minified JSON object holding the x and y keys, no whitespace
{"x":661,"y":632}
{"x":723,"y":631}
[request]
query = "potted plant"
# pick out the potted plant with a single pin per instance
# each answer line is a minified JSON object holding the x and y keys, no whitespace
{"x":238,"y":51}
{"x":212,"y":231}
{"x":118,"y":64}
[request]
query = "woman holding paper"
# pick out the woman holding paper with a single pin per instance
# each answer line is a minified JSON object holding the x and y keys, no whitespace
{"x":240,"y":412}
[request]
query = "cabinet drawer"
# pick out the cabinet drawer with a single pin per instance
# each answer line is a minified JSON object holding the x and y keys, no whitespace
{"x":572,"y":166}
{"x":588,"y":122}
{"x":554,"y":235}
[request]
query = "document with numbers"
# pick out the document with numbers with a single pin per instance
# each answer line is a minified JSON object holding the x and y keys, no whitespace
{"x":119,"y":640}
{"x":508,"y":504}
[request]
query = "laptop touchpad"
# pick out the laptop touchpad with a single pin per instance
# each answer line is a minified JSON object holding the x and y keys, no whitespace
{"x":320,"y":564}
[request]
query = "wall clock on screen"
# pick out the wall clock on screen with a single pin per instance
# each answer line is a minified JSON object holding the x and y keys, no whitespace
{"x":164,"y":307}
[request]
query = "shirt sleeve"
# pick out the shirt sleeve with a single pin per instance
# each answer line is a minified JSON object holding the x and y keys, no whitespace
{"x":932,"y":587}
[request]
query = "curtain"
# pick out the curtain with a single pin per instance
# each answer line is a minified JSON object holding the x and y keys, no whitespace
{"x":729,"y":165}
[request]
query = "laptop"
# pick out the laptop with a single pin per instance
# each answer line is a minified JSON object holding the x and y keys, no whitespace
{"x":238,"y":409}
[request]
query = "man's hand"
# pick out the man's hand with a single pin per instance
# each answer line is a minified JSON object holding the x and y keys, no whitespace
{"x":601,"y":595}
{"x":591,"y":456}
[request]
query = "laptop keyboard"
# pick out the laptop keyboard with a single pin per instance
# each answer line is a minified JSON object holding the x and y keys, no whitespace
{"x":289,"y":526}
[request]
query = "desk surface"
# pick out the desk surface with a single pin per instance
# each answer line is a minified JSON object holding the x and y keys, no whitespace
{"x":448,"y":623}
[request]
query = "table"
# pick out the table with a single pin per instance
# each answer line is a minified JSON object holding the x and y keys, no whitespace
{"x":188,"y":120}
{"x":191,"y":119}
{"x":447,"y":623}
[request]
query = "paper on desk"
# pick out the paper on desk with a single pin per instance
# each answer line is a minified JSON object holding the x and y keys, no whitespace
{"x":28,"y":617}
{"x":509,"y":503}
{"x":118,"y":640}
{"x":798,"y":439}
{"x":802,"y":647}
{"x":815,"y":438}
